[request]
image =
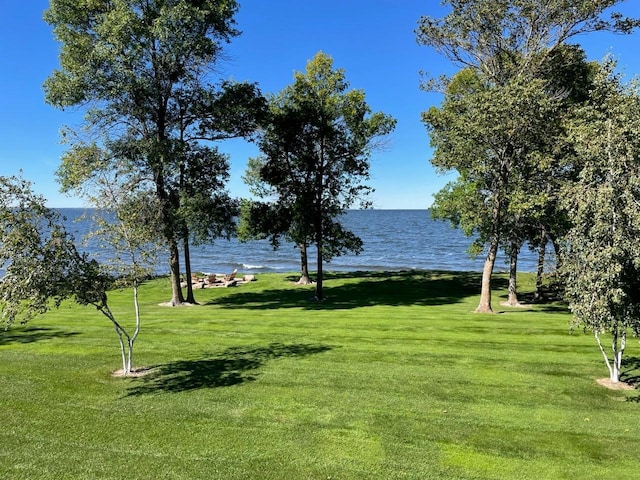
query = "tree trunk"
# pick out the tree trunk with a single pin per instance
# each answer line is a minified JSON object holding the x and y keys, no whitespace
{"x":484,"y":306}
{"x":125,"y":366}
{"x":319,"y":294}
{"x":620,"y":352}
{"x":320,"y":271}
{"x":512,"y":299}
{"x":174,"y":266}
{"x":542,"y":251}
{"x":305,"y":279}
{"x":615,"y":364}
{"x":136,"y":306}
{"x":557,"y":250}
{"x":187,"y":265}
{"x":319,"y":224}
{"x":168,"y":228}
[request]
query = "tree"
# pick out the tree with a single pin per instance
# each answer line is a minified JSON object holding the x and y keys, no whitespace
{"x":315,"y":156}
{"x":509,"y":46}
{"x":602,"y":262}
{"x":283,"y":217}
{"x":143,"y":68}
{"x":489,"y":134}
{"x":122,"y":224}
{"x":503,"y":39}
{"x":43,"y":266}
{"x":206,"y":211}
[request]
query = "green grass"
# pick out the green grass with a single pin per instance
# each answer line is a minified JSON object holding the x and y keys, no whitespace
{"x":393,"y":377}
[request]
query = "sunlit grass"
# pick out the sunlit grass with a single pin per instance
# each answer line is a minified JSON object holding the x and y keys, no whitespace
{"x":392,"y":377}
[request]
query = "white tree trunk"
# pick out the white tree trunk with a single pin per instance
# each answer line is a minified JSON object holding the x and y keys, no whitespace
{"x":614,"y":365}
{"x":123,"y":354}
{"x":137,"y":330}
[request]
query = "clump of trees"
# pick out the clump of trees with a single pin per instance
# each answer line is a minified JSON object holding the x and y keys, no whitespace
{"x":314,"y":164}
{"x":546,"y":147}
{"x":144,"y":70}
{"x":502,"y":114}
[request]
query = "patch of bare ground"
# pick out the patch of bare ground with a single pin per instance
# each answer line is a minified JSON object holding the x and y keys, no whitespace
{"x":134,"y":373}
{"x":169,"y":304}
{"x":607,"y":383}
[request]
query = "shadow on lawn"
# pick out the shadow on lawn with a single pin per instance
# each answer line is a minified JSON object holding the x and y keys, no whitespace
{"x":631,"y":372}
{"x":31,"y":335}
{"x":368,"y":289}
{"x":233,"y":366}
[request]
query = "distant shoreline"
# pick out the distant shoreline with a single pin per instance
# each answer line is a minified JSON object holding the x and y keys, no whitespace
{"x":394,"y":240}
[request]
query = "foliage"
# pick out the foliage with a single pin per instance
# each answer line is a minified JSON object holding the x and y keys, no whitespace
{"x":316,"y":148}
{"x":513,"y":38}
{"x":206,"y":208}
{"x":602,"y":267}
{"x":494,"y":137}
{"x":512,"y":52}
{"x":261,"y":220}
{"x":43,"y":266}
{"x":144,"y":69}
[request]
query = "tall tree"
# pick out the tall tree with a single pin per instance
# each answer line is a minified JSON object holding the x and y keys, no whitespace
{"x":143,"y":68}
{"x":316,"y":150}
{"x":43,"y":266}
{"x":206,"y":211}
{"x":602,"y":262}
{"x":488,"y":133}
{"x":509,"y":45}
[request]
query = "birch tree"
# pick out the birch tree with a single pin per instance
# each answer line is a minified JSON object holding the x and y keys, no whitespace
{"x":43,"y":266}
{"x":601,"y":267}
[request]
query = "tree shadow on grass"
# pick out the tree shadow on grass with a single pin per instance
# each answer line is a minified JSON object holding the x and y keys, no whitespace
{"x":631,"y":371}
{"x":31,"y":335}
{"x":234,"y":366}
{"x":551,"y":300}
{"x":360,"y":289}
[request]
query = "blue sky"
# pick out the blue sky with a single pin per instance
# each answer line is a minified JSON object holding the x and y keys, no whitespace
{"x":372,"y":40}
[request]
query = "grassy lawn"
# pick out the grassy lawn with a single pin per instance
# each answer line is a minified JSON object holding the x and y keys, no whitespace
{"x":392,"y":377}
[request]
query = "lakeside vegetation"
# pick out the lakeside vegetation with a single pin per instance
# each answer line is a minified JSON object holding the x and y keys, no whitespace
{"x":544,"y":143}
{"x":393,"y":377}
{"x":372,"y":375}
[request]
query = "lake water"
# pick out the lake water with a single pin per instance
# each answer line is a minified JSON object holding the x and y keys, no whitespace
{"x":393,"y":240}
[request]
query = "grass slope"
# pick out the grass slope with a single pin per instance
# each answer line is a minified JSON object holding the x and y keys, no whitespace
{"x":392,"y":377}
